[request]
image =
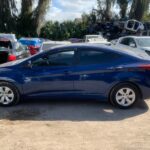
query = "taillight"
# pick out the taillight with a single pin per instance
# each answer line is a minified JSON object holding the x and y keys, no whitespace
{"x":145,"y":67}
{"x":12,"y":58}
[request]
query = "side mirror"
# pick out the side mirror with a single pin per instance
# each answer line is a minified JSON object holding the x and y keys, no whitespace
{"x":133,"y":45}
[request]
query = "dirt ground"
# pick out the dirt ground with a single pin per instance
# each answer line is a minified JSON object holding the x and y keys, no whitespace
{"x":74,"y":125}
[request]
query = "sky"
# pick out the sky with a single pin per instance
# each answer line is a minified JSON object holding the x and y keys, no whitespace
{"x":61,"y":10}
{"x":69,"y":9}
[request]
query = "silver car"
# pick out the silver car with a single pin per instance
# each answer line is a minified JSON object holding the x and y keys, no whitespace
{"x":134,"y":42}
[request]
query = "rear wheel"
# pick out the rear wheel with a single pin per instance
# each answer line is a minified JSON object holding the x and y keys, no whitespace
{"x":124,"y":95}
{"x":9,"y":94}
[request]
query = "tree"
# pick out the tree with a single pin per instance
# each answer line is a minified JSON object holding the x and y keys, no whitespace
{"x":28,"y":22}
{"x":123,"y":7}
{"x":39,"y":13}
{"x":8,"y":12}
{"x":25,"y":22}
{"x":26,"y":7}
{"x":138,"y":9}
{"x":104,"y":9}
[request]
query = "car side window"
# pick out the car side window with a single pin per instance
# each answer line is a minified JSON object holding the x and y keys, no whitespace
{"x":129,"y":42}
{"x":88,"y":57}
{"x":125,"y":41}
{"x":64,"y":58}
{"x":132,"y":42}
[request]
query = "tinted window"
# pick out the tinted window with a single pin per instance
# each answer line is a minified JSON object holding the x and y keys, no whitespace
{"x":58,"y":59}
{"x":125,"y":41}
{"x":6,"y":44}
{"x":136,"y":26}
{"x":130,"y":24}
{"x":97,"y":57}
{"x":128,"y":41}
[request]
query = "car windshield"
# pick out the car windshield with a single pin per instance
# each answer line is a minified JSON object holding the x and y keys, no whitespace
{"x":18,"y":47}
{"x":144,"y":42}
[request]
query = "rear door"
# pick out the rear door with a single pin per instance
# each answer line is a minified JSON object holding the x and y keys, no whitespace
{"x":94,"y":71}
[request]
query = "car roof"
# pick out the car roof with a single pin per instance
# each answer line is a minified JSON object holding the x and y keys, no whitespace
{"x":137,"y":37}
{"x":56,"y":42}
{"x":2,"y":39}
{"x":142,"y":55}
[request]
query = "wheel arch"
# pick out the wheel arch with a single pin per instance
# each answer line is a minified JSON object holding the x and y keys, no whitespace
{"x":13,"y":83}
{"x":130,"y":83}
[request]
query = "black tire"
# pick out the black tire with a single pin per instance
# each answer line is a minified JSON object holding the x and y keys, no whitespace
{"x":13,"y":90}
{"x":126,"y":101}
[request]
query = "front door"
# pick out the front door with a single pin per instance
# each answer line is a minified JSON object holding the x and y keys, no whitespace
{"x":50,"y":74}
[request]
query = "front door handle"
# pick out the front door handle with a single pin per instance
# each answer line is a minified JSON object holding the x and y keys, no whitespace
{"x":67,"y":72}
{"x":116,"y":68}
{"x":84,"y":76}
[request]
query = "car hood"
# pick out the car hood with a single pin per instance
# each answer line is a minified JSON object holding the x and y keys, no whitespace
{"x":145,"y":48}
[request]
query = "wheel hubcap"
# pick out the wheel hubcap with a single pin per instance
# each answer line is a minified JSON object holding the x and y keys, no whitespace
{"x":6,"y":95}
{"x":125,"y":97}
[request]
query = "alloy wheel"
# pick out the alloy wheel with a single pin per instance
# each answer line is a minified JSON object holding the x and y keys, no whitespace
{"x":125,"y":97}
{"x":6,"y":95}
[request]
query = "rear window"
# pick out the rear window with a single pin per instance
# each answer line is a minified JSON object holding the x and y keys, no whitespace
{"x":6,"y":44}
{"x":88,"y":57}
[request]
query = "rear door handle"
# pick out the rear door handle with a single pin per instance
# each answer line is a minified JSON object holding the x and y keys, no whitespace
{"x":116,"y":68}
{"x":84,"y":76}
{"x":67,"y":72}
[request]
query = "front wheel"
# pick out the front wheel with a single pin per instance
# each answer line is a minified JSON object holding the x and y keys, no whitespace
{"x":124,"y":95}
{"x":9,"y":94}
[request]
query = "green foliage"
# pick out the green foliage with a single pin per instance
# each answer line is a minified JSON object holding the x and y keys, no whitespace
{"x":146,"y":17}
{"x":29,"y":21}
{"x":69,"y":29}
{"x":139,"y":8}
{"x":63,"y":31}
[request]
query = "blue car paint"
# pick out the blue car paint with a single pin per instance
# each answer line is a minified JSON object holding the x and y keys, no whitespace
{"x":86,"y":81}
{"x":31,"y":42}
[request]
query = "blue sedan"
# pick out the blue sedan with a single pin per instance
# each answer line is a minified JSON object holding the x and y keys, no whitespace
{"x":80,"y":71}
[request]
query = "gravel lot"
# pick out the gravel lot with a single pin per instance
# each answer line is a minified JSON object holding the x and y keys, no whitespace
{"x":74,"y":125}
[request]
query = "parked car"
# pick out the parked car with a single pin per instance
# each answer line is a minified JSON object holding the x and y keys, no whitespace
{"x":49,"y":44}
{"x":78,"y":71}
{"x":76,"y":40}
{"x":11,"y":37}
{"x":96,"y":39}
{"x":33,"y":44}
{"x":4,"y":55}
{"x":132,"y":50}
{"x":11,"y":50}
{"x":136,"y":42}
